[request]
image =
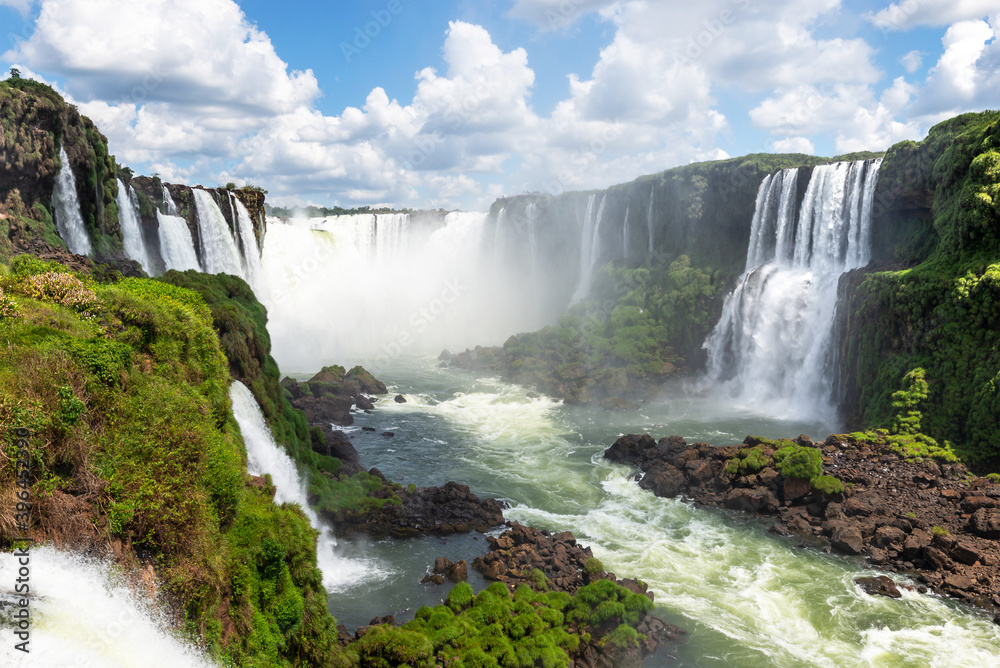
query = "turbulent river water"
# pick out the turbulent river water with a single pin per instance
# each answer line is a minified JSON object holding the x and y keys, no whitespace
{"x":746,"y":597}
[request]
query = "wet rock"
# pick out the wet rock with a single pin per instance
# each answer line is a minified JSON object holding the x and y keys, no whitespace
{"x":432,"y":579}
{"x":326,"y":409}
{"x":399,"y":399}
{"x":879,"y":586}
{"x":388,"y":434}
{"x":331,"y":442}
{"x":846,"y":538}
{"x":665,"y":480}
{"x":364,"y":403}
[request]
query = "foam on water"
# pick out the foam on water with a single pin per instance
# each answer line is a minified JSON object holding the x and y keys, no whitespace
{"x":85,"y":615}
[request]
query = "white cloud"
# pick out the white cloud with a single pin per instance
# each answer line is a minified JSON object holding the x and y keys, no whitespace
{"x":908,"y":14}
{"x":21,"y":6}
{"x":557,"y":14}
{"x":794,"y":145}
{"x":912,"y":61}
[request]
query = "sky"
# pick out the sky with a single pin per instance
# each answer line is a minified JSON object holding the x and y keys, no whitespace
{"x":454,"y":103}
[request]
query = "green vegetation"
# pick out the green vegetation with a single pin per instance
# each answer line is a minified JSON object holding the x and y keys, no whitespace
{"x":939,"y":532}
{"x":935,"y":324}
{"x":748,"y":461}
{"x":241,"y":324}
{"x":494,"y":628}
{"x":828,"y":485}
{"x":133,"y":443}
{"x":796,"y":461}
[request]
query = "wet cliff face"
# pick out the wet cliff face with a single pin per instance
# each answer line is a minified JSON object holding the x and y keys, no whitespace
{"x":35,"y":122}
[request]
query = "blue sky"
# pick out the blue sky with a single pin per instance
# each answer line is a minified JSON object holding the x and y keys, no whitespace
{"x":453,"y":103}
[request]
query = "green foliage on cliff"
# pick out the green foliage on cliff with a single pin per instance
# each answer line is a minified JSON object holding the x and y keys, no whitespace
{"x":494,"y":628}
{"x":34,"y":123}
{"x":637,"y":327}
{"x":940,"y":314}
{"x":133,"y":444}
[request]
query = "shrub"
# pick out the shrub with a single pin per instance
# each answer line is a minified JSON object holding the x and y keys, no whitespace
{"x":828,"y":485}
{"x":593,"y":566}
{"x":60,"y":288}
{"x":802,"y":462}
{"x":939,"y":531}
{"x":460,"y":597}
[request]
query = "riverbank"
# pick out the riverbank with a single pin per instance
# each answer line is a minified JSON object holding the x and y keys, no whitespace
{"x":933,"y":521}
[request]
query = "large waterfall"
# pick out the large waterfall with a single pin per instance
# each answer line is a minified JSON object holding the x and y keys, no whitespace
{"x":265,"y":456}
{"x":366,"y":288}
{"x":250,"y":252}
{"x":66,"y":203}
{"x":128,"y":220}
{"x":771,"y":348}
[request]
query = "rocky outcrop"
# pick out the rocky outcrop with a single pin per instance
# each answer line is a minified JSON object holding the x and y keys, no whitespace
{"x":933,"y":520}
{"x":329,"y":396}
{"x":437,"y":511}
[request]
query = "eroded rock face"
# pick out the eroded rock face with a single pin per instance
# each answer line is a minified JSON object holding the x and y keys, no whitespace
{"x":902,"y":515}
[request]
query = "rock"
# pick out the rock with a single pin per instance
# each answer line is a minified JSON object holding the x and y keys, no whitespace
{"x":889,"y":536}
{"x":966,"y":554}
{"x":442,"y":564}
{"x":458,"y":572}
{"x":533,"y":395}
{"x":368,"y":383}
{"x":796,"y":488}
{"x":751,"y":500}
{"x":971,"y":504}
{"x":985,"y":522}
{"x":432,"y":579}
{"x":334,"y":443}
{"x":959,"y":581}
{"x":327,"y":409}
{"x":846,"y":537}
{"x":364,"y":403}
{"x":445,"y":356}
{"x":665,"y":481}
{"x":938,"y":559}
{"x":399,"y":399}
{"x":388,"y":434}
{"x":329,"y":374}
{"x":879,"y":586}
{"x":292,"y":386}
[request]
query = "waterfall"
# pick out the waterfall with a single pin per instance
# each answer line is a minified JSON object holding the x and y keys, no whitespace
{"x":170,"y":208}
{"x":129,"y":221}
{"x":649,"y":220}
{"x":84,"y":613}
{"x":66,"y":203}
{"x":251,"y":254}
{"x":625,"y":235}
{"x":219,"y":254}
{"x":176,"y":244}
{"x":531,"y":211}
{"x":265,"y":456}
{"x":590,"y":249}
{"x":771,"y":349}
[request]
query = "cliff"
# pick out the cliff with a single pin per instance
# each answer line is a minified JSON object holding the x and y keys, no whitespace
{"x":929,"y":301}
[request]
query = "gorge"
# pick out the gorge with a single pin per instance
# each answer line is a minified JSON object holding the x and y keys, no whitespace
{"x":768,"y":295}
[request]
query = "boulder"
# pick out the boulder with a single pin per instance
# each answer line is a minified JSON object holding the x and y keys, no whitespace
{"x":368,"y":383}
{"x":326,"y":409}
{"x":846,"y":537}
{"x":329,"y":374}
{"x":364,"y":403}
{"x":399,"y":399}
{"x":985,"y":522}
{"x":334,"y":443}
{"x":665,"y":480}
{"x":879,"y":586}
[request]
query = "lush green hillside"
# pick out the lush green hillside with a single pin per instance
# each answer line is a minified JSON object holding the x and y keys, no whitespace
{"x":938,"y":202}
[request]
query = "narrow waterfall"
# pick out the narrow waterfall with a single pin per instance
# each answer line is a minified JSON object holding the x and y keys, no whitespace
{"x":66,"y":203}
{"x":176,"y":244}
{"x":168,"y":204}
{"x":625,"y":235}
{"x":771,"y":349}
{"x":590,"y":248}
{"x":531,"y":213}
{"x":128,"y":220}
{"x":265,"y":456}
{"x":219,"y":254}
{"x":251,"y":253}
{"x":649,"y":222}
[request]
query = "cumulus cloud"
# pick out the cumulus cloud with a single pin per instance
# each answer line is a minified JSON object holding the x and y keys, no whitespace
{"x":908,"y":14}
{"x":965,"y":77}
{"x":20,"y":5}
{"x":557,"y":14}
{"x":794,"y":145}
{"x":912,"y":61}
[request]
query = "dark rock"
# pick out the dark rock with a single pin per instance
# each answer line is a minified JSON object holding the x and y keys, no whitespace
{"x":364,"y":403}
{"x":846,"y":537}
{"x":959,"y":581}
{"x":432,"y":579}
{"x":368,"y":429}
{"x":388,"y":434}
{"x":368,"y":383}
{"x":445,"y":356}
{"x":399,"y":399}
{"x":533,"y":395}
{"x":985,"y":522}
{"x":796,"y":488}
{"x":326,"y":409}
{"x":665,"y":480}
{"x":334,"y":443}
{"x":881,"y":585}
{"x":889,"y":536}
{"x":966,"y":554}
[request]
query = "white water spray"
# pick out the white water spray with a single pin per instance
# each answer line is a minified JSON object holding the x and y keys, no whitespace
{"x":83,"y":614}
{"x":66,"y":203}
{"x":129,"y":221}
{"x":771,"y":348}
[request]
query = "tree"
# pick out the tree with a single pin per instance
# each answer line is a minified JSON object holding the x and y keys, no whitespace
{"x":15,"y":73}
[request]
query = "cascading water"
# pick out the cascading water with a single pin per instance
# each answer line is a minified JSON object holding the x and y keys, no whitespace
{"x":168,"y":204}
{"x":649,"y":222}
{"x":176,"y":244}
{"x":84,"y":614}
{"x":531,"y":212}
{"x":251,"y":254}
{"x":265,"y":456}
{"x":625,"y":235}
{"x":590,"y":248}
{"x":66,"y":202}
{"x":219,"y":254}
{"x":128,"y":220}
{"x":771,"y":348}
